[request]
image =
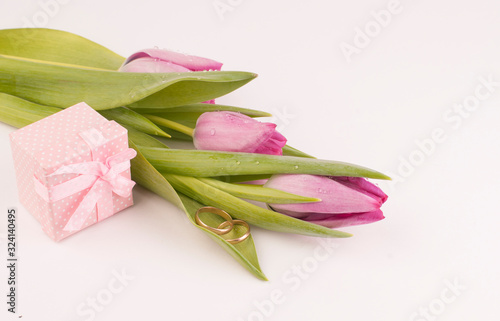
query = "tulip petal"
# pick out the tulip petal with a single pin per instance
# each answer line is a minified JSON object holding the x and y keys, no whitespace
{"x":273,"y":146}
{"x":192,"y":63}
{"x":363,"y":186}
{"x":231,"y":131}
{"x":147,"y":64}
{"x":336,"y":197}
{"x":342,"y":220}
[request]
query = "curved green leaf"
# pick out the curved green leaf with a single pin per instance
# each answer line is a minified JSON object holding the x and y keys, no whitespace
{"x":64,"y":86}
{"x":166,"y":123}
{"x":57,"y":46}
{"x":18,"y":112}
{"x":244,"y":252}
{"x":141,"y":139}
{"x":290,"y":151}
{"x":198,"y":89}
{"x":202,"y":163}
{"x":193,"y":111}
{"x":240,"y":178}
{"x":132,"y":119}
{"x":147,"y":176}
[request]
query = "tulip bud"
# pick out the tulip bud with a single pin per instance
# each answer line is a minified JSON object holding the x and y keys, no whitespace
{"x":235,"y":132}
{"x":345,"y":201}
{"x":161,"y":60}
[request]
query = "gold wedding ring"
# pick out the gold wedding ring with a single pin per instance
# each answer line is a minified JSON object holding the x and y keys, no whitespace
{"x":224,"y":227}
{"x":217,"y":211}
{"x":237,"y":222}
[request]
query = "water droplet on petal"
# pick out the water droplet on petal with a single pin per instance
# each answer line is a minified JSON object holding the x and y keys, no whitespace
{"x":212,"y":131}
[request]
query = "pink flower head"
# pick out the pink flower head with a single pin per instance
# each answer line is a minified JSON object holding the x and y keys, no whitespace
{"x":161,"y":60}
{"x":345,"y":201}
{"x":234,"y":132}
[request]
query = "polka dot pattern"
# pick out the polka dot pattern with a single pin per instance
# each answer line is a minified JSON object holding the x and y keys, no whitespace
{"x":41,"y":148}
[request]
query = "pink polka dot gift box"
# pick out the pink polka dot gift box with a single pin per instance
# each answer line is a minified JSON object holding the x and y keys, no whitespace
{"x":72,"y":169}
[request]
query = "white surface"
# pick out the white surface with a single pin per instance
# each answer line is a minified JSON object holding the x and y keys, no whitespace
{"x":441,"y":221}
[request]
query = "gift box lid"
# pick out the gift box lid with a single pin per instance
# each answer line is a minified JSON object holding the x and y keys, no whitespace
{"x":55,"y":140}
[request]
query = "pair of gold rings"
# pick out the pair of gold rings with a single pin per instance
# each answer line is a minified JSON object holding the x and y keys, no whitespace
{"x":224,"y":227}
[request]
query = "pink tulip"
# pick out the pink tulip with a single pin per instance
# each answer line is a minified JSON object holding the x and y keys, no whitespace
{"x":345,"y":201}
{"x":160,"y":60}
{"x":235,"y":132}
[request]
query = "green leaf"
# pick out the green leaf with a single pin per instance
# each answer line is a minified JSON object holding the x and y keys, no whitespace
{"x":201,"y":163}
{"x":244,"y":252}
{"x":160,"y":121}
{"x":141,"y":139}
{"x":147,"y":176}
{"x":18,"y":112}
{"x":132,"y":119}
{"x":57,"y":46}
{"x":290,"y":151}
{"x":202,"y":86}
{"x":240,"y":178}
{"x":258,"y":193}
{"x":64,"y":86}
{"x":193,"y":111}
{"x":248,"y":212}
{"x":144,"y":174}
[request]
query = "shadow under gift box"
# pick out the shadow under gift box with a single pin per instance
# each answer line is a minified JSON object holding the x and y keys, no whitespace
{"x":43,"y":153}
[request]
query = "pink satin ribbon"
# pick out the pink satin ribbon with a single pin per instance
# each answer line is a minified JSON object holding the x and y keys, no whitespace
{"x":103,"y":179}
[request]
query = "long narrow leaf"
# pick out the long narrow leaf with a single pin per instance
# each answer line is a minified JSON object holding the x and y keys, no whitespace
{"x":244,"y":252}
{"x":135,"y":120}
{"x":57,"y":46}
{"x":193,"y":111}
{"x":145,"y":175}
{"x":141,"y":139}
{"x":202,"y":86}
{"x":290,"y":151}
{"x":201,"y":163}
{"x":64,"y":86}
{"x":18,"y":112}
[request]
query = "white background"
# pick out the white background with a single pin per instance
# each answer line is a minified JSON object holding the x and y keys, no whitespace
{"x":372,"y":107}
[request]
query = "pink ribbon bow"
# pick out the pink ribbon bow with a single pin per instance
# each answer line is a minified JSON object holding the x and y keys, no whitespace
{"x":104,"y":179}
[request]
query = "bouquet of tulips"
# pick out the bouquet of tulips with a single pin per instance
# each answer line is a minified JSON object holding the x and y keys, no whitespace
{"x":160,"y":95}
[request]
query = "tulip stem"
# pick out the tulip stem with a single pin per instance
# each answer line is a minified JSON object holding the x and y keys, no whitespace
{"x":160,"y":121}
